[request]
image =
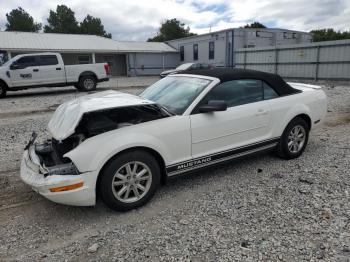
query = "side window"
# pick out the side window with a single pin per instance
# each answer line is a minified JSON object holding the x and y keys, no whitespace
{"x":195,"y":52}
{"x":211,"y":50}
{"x":182,"y":53}
{"x":84,"y":59}
{"x":237,"y":92}
{"x":269,"y":92}
{"x":26,"y":61}
{"x":48,"y":60}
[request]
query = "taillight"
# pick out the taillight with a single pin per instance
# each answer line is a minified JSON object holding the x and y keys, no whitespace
{"x":107,"y":69}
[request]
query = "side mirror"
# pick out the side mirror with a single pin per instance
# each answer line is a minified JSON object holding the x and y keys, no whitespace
{"x":14,"y":66}
{"x":212,"y":106}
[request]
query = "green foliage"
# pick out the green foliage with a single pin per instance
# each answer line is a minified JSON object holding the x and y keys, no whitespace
{"x":62,"y":21}
{"x":20,"y":20}
{"x":328,"y":35}
{"x":255,"y":25}
{"x":171,"y":29}
{"x":93,"y":26}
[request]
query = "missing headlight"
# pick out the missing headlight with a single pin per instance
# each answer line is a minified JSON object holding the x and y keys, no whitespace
{"x":63,"y":170}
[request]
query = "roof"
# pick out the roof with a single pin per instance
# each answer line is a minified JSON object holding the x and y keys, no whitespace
{"x":245,"y":29}
{"x":228,"y":74}
{"x":149,"y":46}
{"x":19,"y":41}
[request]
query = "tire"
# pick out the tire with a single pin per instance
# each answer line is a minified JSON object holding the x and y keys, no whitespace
{"x":117,"y":180}
{"x":294,"y":139}
{"x":2,"y":90}
{"x":87,"y":83}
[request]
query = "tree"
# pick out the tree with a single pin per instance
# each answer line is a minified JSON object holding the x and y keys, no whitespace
{"x":93,"y":26}
{"x":328,"y":35}
{"x":62,"y":21}
{"x":19,"y":20}
{"x":255,"y":25}
{"x":171,"y":29}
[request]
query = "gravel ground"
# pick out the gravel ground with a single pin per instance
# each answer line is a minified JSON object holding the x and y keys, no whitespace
{"x":261,"y":208}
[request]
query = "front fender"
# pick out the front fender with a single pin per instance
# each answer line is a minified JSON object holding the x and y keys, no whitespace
{"x":5,"y":79}
{"x":94,"y":152}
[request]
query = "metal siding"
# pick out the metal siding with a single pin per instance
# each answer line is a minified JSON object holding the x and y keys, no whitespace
{"x":297,"y":55}
{"x":264,"y":57}
{"x":152,"y":64}
{"x":339,"y":53}
{"x":321,"y":60}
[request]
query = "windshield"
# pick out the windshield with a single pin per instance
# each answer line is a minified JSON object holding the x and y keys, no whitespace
{"x":6,"y":63}
{"x":175,"y":93}
{"x":3,"y":59}
{"x":184,"y":66}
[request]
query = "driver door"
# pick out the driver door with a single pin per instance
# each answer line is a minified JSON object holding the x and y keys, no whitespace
{"x":25,"y":72}
{"x":244,"y":122}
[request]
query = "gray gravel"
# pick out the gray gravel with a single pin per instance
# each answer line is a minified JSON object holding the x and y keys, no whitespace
{"x":261,"y":208}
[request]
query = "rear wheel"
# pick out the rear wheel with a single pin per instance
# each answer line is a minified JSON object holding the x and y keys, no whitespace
{"x":87,"y":83}
{"x":130,"y":180}
{"x":2,"y":90}
{"x":294,"y":139}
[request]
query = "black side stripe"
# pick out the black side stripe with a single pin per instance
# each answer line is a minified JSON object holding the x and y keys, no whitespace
{"x":220,"y":156}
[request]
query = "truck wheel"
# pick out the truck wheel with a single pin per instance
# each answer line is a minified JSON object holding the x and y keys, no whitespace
{"x":130,"y":180}
{"x":294,"y":139}
{"x":2,"y":90}
{"x":87,"y":83}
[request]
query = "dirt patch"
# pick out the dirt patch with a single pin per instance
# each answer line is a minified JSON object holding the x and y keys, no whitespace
{"x":338,"y":119}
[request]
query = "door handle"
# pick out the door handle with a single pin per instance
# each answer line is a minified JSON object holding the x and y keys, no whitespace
{"x":35,"y":70}
{"x":58,"y":68}
{"x":262,"y":112}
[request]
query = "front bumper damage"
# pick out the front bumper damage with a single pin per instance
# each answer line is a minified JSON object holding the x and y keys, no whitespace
{"x":61,"y":184}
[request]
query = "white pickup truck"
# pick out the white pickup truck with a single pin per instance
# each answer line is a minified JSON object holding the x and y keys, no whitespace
{"x":48,"y":70}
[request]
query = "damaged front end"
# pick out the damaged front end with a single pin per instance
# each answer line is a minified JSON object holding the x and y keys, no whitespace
{"x":46,"y":167}
{"x":51,"y":154}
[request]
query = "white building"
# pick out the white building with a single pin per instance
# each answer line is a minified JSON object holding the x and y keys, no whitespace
{"x":148,"y":58}
{"x":124,"y":58}
{"x":217,"y":48}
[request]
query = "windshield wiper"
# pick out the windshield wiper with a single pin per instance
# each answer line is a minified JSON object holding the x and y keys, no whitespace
{"x":168,"y":111}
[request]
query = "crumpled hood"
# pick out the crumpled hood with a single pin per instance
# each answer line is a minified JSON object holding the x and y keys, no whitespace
{"x":68,"y":115}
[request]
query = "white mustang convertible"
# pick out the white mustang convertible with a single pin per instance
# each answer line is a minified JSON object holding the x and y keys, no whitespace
{"x":121,"y":147}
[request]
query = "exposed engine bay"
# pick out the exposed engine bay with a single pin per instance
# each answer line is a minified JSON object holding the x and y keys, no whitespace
{"x":93,"y":123}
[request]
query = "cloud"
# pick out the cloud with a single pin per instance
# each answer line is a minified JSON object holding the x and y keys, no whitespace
{"x":139,"y":20}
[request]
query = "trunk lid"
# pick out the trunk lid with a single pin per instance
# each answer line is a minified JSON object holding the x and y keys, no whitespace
{"x":304,"y":87}
{"x":68,"y":115}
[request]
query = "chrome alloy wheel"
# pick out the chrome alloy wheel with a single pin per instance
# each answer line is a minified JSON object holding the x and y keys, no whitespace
{"x":88,"y":83}
{"x":131,"y":182}
{"x":296,"y":139}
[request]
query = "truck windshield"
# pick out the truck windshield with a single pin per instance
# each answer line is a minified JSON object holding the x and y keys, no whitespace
{"x":3,"y":59}
{"x":175,"y":93}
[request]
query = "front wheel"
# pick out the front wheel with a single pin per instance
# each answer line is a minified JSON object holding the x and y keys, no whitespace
{"x":294,"y":139}
{"x":2,"y":90}
{"x":87,"y":83}
{"x":129,"y":180}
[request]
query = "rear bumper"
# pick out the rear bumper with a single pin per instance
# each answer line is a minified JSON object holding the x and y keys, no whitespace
{"x":32,"y":174}
{"x":105,"y":79}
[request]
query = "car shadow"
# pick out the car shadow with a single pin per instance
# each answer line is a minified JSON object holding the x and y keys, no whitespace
{"x":171,"y":188}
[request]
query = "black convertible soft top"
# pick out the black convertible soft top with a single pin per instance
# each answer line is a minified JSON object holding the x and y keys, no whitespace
{"x":228,"y":74}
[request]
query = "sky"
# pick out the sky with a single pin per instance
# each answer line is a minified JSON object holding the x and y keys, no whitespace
{"x":137,"y":20}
